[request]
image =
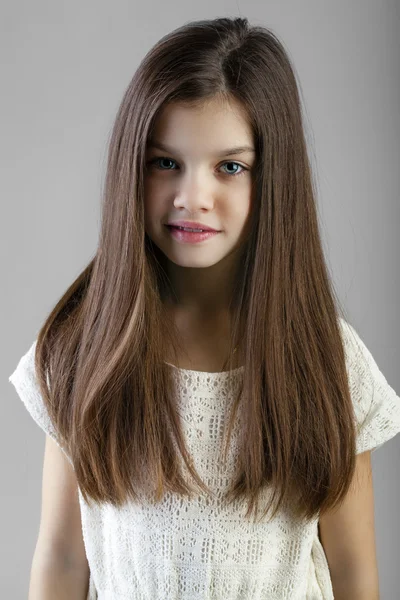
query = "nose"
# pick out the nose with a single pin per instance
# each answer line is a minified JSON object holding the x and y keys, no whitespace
{"x":194,"y":194}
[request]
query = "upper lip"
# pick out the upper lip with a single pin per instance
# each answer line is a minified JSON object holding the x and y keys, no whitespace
{"x":192,"y":225}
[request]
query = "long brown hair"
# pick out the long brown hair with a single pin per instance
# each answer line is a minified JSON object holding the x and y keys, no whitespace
{"x":100,"y":353}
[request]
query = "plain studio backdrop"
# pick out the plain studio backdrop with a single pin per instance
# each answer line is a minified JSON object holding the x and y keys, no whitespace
{"x":64,"y":68}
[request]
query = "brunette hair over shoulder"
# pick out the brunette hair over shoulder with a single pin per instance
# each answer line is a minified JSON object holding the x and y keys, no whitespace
{"x":100,"y":353}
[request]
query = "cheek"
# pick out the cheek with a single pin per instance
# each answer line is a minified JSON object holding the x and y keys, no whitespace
{"x":151,"y":211}
{"x":152,"y":201}
{"x":237,"y":210}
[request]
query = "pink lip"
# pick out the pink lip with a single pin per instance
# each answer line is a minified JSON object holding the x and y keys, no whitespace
{"x":190,"y":237}
{"x":191,"y":225}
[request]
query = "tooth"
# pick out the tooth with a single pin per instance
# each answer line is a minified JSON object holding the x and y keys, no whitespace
{"x":189,"y":229}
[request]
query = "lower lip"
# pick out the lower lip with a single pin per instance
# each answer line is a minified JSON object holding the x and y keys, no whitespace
{"x":190,"y":237}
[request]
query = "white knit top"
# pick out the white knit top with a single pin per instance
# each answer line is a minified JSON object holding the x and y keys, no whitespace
{"x":201,"y":549}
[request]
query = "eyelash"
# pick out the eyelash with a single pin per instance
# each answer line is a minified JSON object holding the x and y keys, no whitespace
{"x":242,"y":172}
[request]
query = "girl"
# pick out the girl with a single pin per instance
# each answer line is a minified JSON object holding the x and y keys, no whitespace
{"x":213,"y":405}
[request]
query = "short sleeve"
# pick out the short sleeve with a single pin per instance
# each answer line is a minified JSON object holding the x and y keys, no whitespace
{"x":25,"y":382}
{"x":376,"y":404}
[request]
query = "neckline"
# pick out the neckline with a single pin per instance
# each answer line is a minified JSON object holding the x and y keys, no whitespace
{"x":205,"y":373}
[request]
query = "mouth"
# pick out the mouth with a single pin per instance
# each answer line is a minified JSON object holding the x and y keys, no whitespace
{"x":182,"y":235}
{"x":192,"y":229}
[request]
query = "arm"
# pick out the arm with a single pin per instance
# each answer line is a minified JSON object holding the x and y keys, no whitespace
{"x":348,"y":537}
{"x":59,"y":568}
{"x":55,"y":579}
{"x":358,"y":589}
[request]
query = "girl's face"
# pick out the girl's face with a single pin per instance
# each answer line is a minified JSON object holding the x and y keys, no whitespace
{"x":194,"y":177}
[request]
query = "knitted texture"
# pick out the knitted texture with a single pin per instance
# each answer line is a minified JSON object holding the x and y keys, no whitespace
{"x":202,"y":548}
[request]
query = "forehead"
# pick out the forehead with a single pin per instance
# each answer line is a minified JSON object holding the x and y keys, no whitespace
{"x":213,"y":125}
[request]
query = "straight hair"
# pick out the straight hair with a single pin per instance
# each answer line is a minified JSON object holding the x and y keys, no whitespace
{"x":100,"y":353}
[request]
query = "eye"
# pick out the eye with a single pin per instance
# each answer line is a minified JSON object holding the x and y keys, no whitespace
{"x":243,"y":169}
{"x":156,"y":161}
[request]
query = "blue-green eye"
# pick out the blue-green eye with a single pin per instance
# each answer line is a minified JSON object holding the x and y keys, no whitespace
{"x":156,"y":161}
{"x":243,"y":169}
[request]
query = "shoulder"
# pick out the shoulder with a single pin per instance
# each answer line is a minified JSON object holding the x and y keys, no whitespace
{"x":376,"y":403}
{"x":25,"y":382}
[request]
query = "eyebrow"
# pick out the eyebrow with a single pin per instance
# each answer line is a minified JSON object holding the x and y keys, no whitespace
{"x":226,"y":152}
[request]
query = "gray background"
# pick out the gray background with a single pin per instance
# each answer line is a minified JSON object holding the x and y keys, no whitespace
{"x":64,"y":68}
